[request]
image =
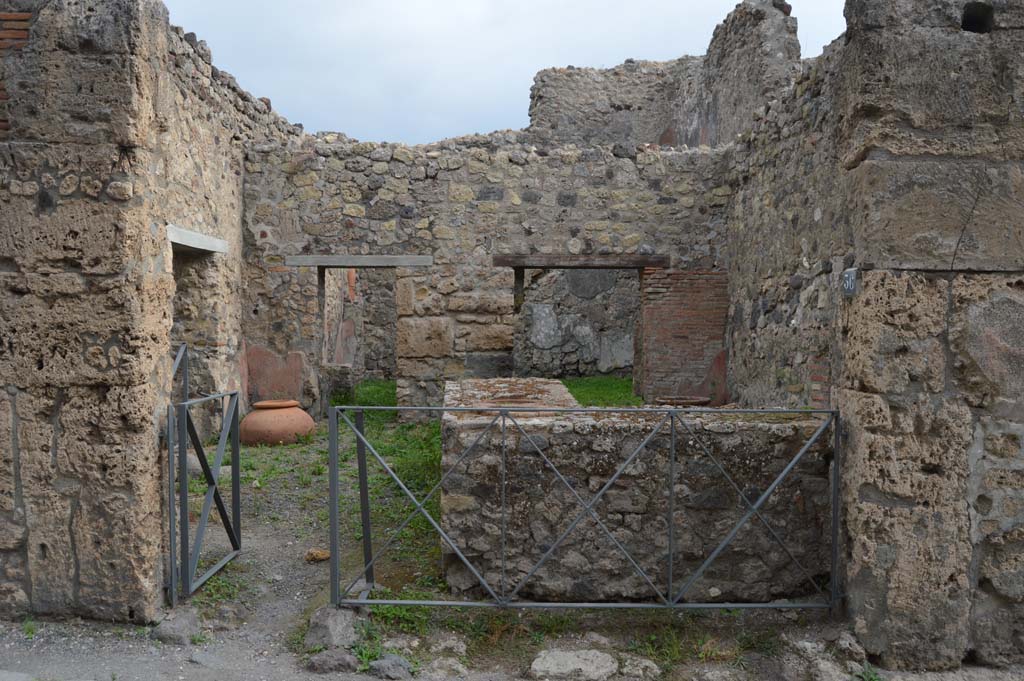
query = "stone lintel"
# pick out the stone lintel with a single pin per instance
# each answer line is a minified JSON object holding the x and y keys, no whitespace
{"x":359,"y":260}
{"x":560,"y":261}
{"x":194,"y":241}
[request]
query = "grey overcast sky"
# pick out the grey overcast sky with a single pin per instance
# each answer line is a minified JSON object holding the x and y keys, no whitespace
{"x":416,"y":71}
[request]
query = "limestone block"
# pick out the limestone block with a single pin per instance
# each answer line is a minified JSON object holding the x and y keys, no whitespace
{"x":924,"y":215}
{"x":425,"y":337}
{"x":986,"y":328}
{"x":483,"y":337}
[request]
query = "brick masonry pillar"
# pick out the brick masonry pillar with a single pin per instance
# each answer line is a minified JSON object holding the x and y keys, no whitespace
{"x":681,"y":341}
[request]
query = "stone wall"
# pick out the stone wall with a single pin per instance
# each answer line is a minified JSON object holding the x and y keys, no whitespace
{"x":691,"y":101}
{"x":588,"y":450}
{"x":577,"y":323}
{"x":117,"y":126}
{"x":460,"y":201}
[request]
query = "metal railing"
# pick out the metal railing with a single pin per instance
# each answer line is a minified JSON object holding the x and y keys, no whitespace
{"x":184,"y":554}
{"x":671,"y":597}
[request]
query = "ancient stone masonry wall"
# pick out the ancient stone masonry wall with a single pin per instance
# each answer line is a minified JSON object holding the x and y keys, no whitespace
{"x":587,"y":450}
{"x":103,"y":105}
{"x":629,"y":104}
{"x":577,"y":323}
{"x":691,"y":101}
{"x":788,"y":245}
{"x":932,"y":375}
{"x":461,"y":202}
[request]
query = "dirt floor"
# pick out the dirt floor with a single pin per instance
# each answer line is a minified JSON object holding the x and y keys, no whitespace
{"x":253,"y":615}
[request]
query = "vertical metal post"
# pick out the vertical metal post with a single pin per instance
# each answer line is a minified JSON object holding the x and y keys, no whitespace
{"x":184,"y":377}
{"x":671,"y":504}
{"x":236,"y":470}
{"x":836,"y":463}
{"x":364,"y":500}
{"x":184,"y":573}
{"x":172,"y":527}
{"x":332,"y":502}
{"x":504,"y":507}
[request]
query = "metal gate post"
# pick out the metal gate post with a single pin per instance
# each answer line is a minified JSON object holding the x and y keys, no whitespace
{"x":332,"y":503}
{"x":364,"y":499}
{"x":836,"y":463}
{"x":184,"y":574}
{"x":236,"y":468}
{"x":172,"y":529}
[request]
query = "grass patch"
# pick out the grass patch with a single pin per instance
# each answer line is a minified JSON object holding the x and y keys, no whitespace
{"x":603,"y":391}
{"x":413,"y":452}
{"x":29,"y":628}
{"x":224,"y":587}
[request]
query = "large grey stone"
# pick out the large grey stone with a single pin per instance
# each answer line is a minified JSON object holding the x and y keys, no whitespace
{"x":578,"y":665}
{"x":331,"y":627}
{"x":393,"y":667}
{"x":178,"y":627}
{"x":334,"y":660}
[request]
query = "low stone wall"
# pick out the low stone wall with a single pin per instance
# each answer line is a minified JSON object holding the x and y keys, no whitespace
{"x":588,"y":449}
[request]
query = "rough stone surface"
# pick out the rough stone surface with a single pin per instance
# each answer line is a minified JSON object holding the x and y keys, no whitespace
{"x":178,"y":628}
{"x":331,"y":661}
{"x":331,"y":627}
{"x":588,"y":450}
{"x":896,"y":154}
{"x":392,"y":667}
{"x":582,"y":665}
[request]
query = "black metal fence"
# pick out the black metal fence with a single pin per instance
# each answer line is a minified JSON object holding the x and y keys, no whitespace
{"x":669,"y":595}
{"x":184,"y":551}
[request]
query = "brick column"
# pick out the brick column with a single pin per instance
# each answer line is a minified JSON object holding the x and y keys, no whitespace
{"x":681,"y":340}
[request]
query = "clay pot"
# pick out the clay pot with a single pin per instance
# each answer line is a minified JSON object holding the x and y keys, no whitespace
{"x":275,"y":422}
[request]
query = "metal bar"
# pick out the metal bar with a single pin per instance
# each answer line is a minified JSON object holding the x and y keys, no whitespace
{"x":588,"y":508}
{"x":213,"y":570}
{"x":364,"y":500}
{"x":504,"y":504}
{"x":207,"y":398}
{"x":183,"y":572}
{"x":185,"y":376}
{"x":757,"y":505}
{"x":771,"y":530}
{"x":511,"y":409}
{"x":332,"y":505}
{"x":444,"y":478}
{"x":543,"y":605}
{"x":213,"y":494}
{"x":672,"y":506}
{"x":836,"y":479}
{"x":172,"y":527}
{"x":236,"y":483}
{"x":423,"y":511}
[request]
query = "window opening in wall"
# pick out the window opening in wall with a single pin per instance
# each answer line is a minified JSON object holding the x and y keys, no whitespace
{"x":979,"y":17}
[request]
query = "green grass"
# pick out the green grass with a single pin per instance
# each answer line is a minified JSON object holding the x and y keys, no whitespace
{"x":413,"y":452}
{"x":29,"y":628}
{"x":868,"y":673}
{"x":603,"y":391}
{"x":224,"y":587}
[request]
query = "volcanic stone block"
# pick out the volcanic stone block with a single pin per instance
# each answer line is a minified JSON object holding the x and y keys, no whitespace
{"x":425,"y":337}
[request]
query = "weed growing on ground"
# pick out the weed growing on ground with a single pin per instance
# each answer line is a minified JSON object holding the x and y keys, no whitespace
{"x":199,"y":638}
{"x":603,"y":391}
{"x":868,"y":673}
{"x":29,"y":628}
{"x":224,"y":587}
{"x":369,"y":648}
